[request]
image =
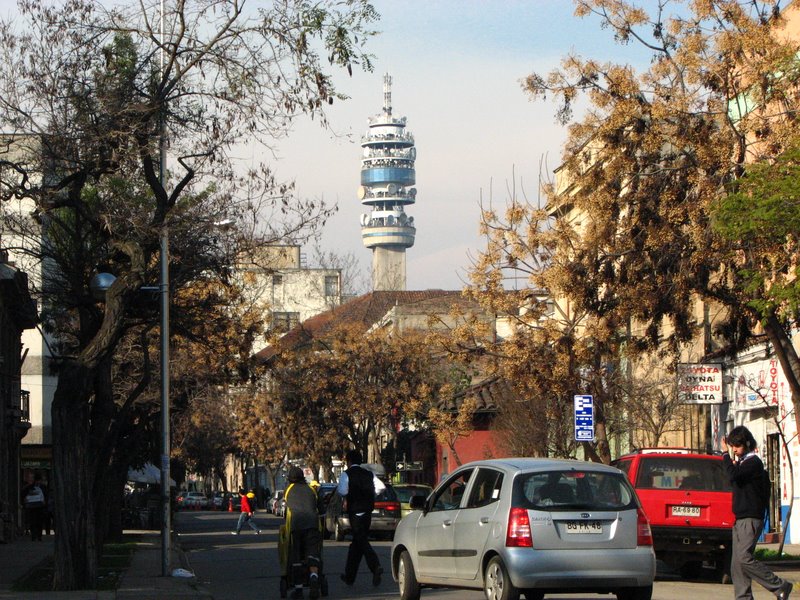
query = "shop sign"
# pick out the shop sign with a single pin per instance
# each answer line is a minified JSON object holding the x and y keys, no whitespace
{"x":700,"y":383}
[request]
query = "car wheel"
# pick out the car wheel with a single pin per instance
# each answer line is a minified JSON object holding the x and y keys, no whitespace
{"x":338,"y":534}
{"x":496,"y":582}
{"x":639,"y":593}
{"x":407,"y":578}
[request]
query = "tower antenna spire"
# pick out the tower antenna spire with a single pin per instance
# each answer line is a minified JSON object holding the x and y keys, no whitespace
{"x":387,"y":94}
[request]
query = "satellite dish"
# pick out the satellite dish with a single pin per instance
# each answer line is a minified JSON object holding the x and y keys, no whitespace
{"x":390,"y":220}
{"x":402,"y":217}
{"x":362,"y":192}
{"x":364,"y":219}
{"x":412,"y":192}
{"x":391,"y":188}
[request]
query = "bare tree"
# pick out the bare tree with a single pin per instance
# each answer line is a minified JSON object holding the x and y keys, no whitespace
{"x":91,"y":97}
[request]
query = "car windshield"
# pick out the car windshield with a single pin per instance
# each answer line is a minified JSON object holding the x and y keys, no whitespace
{"x":573,"y":489}
{"x":682,"y":473}
{"x":405,"y":493}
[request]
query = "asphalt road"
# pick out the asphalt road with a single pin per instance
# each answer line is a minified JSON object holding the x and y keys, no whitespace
{"x":246,"y":567}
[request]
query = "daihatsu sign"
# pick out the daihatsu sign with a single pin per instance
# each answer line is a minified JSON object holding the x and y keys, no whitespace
{"x":700,"y":383}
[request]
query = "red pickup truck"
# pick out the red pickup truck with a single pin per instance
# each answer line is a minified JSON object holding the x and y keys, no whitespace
{"x":687,"y":498}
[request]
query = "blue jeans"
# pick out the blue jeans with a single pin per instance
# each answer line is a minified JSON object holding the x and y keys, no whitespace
{"x":246,"y":518}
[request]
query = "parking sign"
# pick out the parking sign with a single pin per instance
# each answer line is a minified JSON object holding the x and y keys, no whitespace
{"x":584,"y":418}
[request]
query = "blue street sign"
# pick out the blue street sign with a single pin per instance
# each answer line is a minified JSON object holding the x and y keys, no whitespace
{"x":584,"y":418}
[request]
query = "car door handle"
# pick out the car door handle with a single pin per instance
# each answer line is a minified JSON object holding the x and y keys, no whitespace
{"x":484,"y":520}
{"x":447,"y":522}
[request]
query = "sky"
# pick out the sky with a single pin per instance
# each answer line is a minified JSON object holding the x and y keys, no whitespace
{"x":457,"y":67}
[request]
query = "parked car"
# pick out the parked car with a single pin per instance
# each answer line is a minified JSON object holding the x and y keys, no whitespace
{"x":406,"y":490}
{"x":527,"y":524}
{"x":195,"y":500}
{"x":687,"y":498}
{"x":385,"y":515}
{"x":274,"y":503}
{"x":219,"y":501}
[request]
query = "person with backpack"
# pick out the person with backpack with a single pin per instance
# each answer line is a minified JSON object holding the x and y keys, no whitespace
{"x":303,"y":527}
{"x":750,"y":483}
{"x":35,"y":503}
{"x":246,"y":514}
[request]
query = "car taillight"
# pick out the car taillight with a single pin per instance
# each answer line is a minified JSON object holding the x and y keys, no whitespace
{"x":519,"y":529}
{"x":644,"y":537}
{"x":389,"y":506}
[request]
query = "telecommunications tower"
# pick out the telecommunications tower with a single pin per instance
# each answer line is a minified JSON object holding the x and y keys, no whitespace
{"x":387,"y":180}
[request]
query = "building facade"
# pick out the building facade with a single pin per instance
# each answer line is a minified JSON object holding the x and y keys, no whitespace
{"x":17,"y":314}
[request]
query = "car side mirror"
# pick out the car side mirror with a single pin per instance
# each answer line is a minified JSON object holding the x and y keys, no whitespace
{"x":417,"y":503}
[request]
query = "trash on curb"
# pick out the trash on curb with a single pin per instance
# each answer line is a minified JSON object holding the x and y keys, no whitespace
{"x":182,"y":573}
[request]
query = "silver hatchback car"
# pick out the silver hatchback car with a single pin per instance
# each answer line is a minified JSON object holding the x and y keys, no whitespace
{"x":527,"y":525}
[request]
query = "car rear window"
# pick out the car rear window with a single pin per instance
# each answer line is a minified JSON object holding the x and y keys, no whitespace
{"x":573,"y":489}
{"x":682,"y":473}
{"x":405,"y":493}
{"x":387,"y":495}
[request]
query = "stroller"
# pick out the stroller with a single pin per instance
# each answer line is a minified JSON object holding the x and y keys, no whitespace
{"x":294,"y":575}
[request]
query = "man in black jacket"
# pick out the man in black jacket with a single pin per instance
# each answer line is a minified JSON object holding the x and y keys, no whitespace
{"x":359,"y":487}
{"x":750,"y":499}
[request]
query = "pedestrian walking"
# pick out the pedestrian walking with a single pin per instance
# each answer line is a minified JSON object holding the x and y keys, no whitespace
{"x":358,"y":487}
{"x":35,"y":503}
{"x":302,"y":524}
{"x":246,"y":514}
{"x":751,"y":487}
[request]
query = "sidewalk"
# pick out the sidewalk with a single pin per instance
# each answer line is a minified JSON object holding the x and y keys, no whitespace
{"x":141,"y":581}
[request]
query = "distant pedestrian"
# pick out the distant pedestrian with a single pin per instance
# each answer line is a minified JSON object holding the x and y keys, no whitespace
{"x":750,"y":501}
{"x":359,"y":487}
{"x":302,"y":523}
{"x":35,"y":504}
{"x":246,"y":514}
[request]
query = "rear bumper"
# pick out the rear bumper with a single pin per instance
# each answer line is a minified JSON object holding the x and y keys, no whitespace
{"x":692,"y":540}
{"x":557,"y":570}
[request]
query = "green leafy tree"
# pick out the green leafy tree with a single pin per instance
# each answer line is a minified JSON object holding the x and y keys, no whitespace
{"x":626,"y":235}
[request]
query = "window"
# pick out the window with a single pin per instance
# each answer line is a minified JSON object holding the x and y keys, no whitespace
{"x":284,"y":321}
{"x":486,"y":488}
{"x":331,"y":285}
{"x":277,"y":279}
{"x":449,"y":496}
{"x":572,"y":489}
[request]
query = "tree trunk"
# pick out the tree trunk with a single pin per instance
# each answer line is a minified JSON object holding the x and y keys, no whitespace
{"x":787,"y":356}
{"x":75,"y":556}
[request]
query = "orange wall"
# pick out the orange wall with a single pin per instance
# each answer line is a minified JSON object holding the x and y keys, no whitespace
{"x":479,"y":445}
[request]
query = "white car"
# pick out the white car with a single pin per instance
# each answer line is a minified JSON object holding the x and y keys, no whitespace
{"x":527,"y":525}
{"x":196,"y":500}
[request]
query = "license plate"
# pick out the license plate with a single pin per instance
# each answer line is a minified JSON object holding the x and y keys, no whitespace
{"x":685,"y":511}
{"x":584,"y":526}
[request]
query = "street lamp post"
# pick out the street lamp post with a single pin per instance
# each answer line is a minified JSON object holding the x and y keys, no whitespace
{"x":166,"y":516}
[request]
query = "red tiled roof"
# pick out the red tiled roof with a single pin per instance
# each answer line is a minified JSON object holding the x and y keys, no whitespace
{"x":489,"y":394}
{"x":362,"y":311}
